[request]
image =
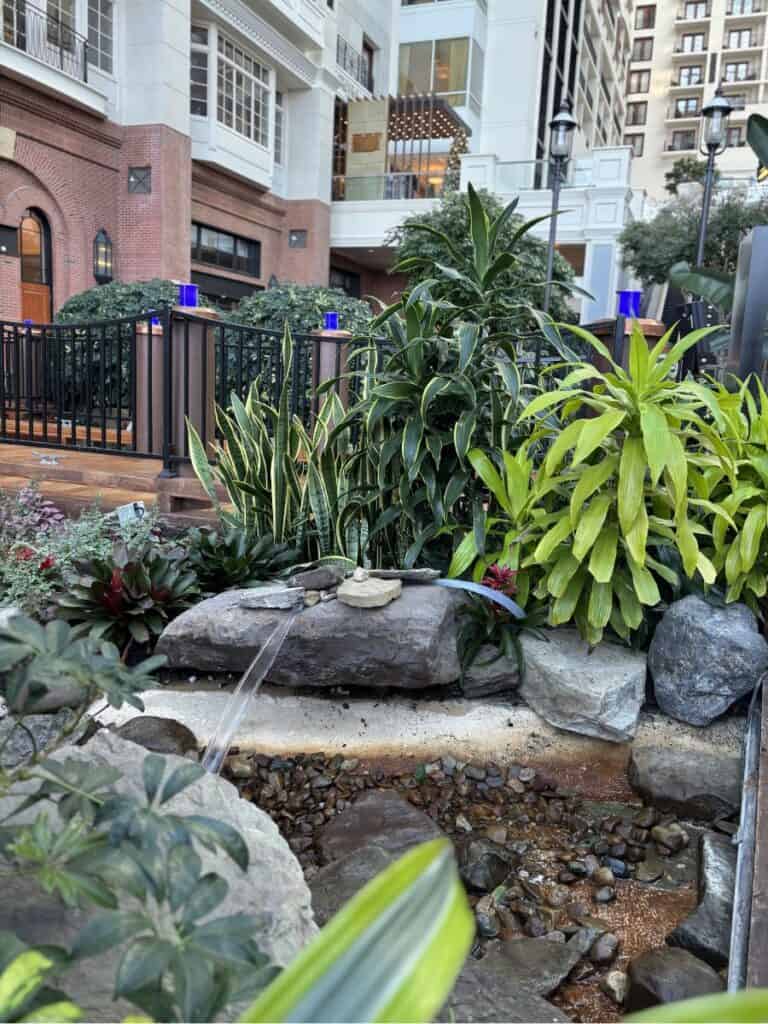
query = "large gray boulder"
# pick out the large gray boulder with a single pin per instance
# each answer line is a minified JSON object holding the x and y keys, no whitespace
{"x":687,"y":782}
{"x":668,"y":975}
{"x":273,"y":890}
{"x":597,"y":693}
{"x":409,"y":644}
{"x":702,"y":659}
{"x":707,"y":931}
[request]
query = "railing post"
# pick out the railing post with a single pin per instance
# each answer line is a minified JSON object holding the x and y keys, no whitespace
{"x":85,"y":61}
{"x":329,"y":362}
{"x":168,"y":464}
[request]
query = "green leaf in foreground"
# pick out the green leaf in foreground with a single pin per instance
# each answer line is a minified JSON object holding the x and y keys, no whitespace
{"x":748,"y":1007}
{"x":391,"y":954}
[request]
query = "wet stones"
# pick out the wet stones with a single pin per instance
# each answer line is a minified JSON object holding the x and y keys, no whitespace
{"x":604,"y":950}
{"x":484,"y":864}
{"x":668,"y":975}
{"x":707,"y":931}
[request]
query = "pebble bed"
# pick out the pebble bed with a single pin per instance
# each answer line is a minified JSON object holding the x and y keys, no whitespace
{"x":537,"y":859}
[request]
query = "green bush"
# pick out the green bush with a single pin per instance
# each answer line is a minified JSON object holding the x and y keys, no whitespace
{"x":302,"y":306}
{"x":109,"y":301}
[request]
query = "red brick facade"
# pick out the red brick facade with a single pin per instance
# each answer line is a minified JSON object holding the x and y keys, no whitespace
{"x":73,"y":167}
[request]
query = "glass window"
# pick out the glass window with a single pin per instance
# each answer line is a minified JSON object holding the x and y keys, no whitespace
{"x":243,"y":92}
{"x":690,"y":76}
{"x":639,"y":81}
{"x":684,"y":139}
{"x":739,"y":38}
{"x":101,"y":31}
{"x":198,"y":72}
{"x":686,"y":106}
{"x":637,"y":142}
{"x":738,"y":71}
{"x":637,"y":113}
{"x":736,"y":136}
{"x":742,"y":7}
{"x":693,"y":42}
{"x":738,"y":100}
{"x":645,"y":17}
{"x":279,"y":128}
{"x":60,"y":23}
{"x":696,"y":9}
{"x":450,"y":70}
{"x":476,"y":78}
{"x":643,"y":49}
{"x":415,"y":68}
{"x":32,"y":250}
{"x":222,"y":249}
{"x":140,"y":180}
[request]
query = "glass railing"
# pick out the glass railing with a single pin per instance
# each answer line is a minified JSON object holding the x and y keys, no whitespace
{"x":399,"y":185}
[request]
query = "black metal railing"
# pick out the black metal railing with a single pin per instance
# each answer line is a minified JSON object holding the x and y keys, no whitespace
{"x":129,"y":386}
{"x":44,"y":36}
{"x":354,"y":63}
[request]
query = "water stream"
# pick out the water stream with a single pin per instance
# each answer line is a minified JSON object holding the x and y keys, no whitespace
{"x":235,"y":708}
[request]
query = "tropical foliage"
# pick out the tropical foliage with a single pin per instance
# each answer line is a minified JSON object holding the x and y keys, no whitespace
{"x":232,"y":557}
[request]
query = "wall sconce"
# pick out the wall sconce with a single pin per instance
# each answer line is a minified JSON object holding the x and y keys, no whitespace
{"x":102,"y":257}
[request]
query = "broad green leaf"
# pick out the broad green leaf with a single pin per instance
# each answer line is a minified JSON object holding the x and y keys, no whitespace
{"x":590,"y":524}
{"x":653,"y":423}
{"x":552,"y":539}
{"x":603,"y":557}
{"x":562,"y":573}
{"x":431,"y":391}
{"x":563,"y":608}
{"x":468,"y":338}
{"x":488,"y":473}
{"x":645,"y":585}
{"x":632,"y":468}
{"x":108,"y":930}
{"x":153,"y":769}
{"x":463,"y":556}
{"x":591,"y":479}
{"x":21,"y":979}
{"x":595,"y":433}
{"x":479,"y":227}
{"x":143,"y":962}
{"x":751,"y":535}
{"x":62,"y":1012}
{"x":747,"y":1007}
{"x":391,"y":954}
{"x":713,"y":285}
{"x":567,"y":438}
{"x":412,"y":435}
{"x":463,"y":432}
{"x":638,"y":357}
{"x":757,"y":137}
{"x":180,"y":779}
{"x":545,"y":401}
{"x":636,"y":538}
{"x":600,"y":604}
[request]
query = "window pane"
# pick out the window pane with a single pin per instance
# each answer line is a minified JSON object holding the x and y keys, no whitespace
{"x":415,"y":68}
{"x":451,"y":63}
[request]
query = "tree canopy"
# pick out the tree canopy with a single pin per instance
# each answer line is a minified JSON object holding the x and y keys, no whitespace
{"x":651,"y":248}
{"x":686,"y":169}
{"x":524,"y":281}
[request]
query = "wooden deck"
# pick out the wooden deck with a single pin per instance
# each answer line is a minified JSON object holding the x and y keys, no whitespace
{"x":76,"y":479}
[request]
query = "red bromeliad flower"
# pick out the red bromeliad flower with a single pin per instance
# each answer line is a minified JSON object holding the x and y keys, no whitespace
{"x":24,"y":554}
{"x":47,"y":563}
{"x":112,"y":598}
{"x":500,"y":577}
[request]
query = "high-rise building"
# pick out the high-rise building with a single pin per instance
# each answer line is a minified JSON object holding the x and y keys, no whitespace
{"x":681,"y":52}
{"x":498,"y":71}
{"x":189,"y":139}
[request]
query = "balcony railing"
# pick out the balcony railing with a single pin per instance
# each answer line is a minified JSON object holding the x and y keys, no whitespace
{"x":45,"y":37}
{"x":733,"y":77}
{"x":688,"y":52}
{"x":399,"y":185}
{"x":687,"y":84}
{"x":744,"y":10}
{"x":684,"y":15}
{"x":681,"y":145}
{"x":676,"y":113}
{"x":354,"y":63}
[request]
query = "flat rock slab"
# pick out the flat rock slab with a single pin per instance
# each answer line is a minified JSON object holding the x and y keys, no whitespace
{"x":707,"y":931}
{"x":369,"y":593}
{"x":410,"y":644}
{"x":16,"y":745}
{"x":693,"y":786}
{"x":273,"y":889}
{"x":379,"y":818}
{"x":597,"y":694}
{"x":509,"y":984}
{"x":336,"y":883}
{"x":668,"y":975}
{"x":702,"y":659}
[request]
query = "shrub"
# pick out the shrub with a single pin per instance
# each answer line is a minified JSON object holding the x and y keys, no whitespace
{"x":302,"y":306}
{"x":110,"y":301}
{"x":232,"y":557}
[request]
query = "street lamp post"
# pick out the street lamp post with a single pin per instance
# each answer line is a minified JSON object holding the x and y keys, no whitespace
{"x":561,"y":129}
{"x":715,"y":142}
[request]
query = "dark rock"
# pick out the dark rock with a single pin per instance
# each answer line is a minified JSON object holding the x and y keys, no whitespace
{"x":595,"y":692}
{"x":707,"y":931}
{"x":338,"y":882}
{"x":380,"y":817}
{"x":490,"y":675}
{"x":484,"y":864}
{"x":160,"y":735}
{"x":604,"y":950}
{"x":668,"y":975}
{"x":539,"y":967}
{"x":324,"y":577}
{"x":703,"y":659}
{"x":686,"y":783}
{"x":330,"y":644}
{"x":487,"y":992}
{"x":584,"y":939}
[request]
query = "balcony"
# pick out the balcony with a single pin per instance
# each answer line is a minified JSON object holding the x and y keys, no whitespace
{"x":300,"y":21}
{"x":683,"y":115}
{"x":41,"y":47}
{"x":754,"y":43}
{"x":690,"y":18}
{"x":681,"y":146}
{"x":398,"y":185}
{"x":734,"y":77}
{"x":678,"y":83}
{"x":745,"y":10}
{"x":354,"y":63}
{"x":681,"y":51}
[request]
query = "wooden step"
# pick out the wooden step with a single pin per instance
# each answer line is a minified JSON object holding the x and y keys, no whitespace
{"x":70,"y":466}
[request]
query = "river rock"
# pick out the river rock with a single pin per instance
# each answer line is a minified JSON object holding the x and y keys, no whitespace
{"x":380,"y":817}
{"x":615,"y":985}
{"x":685,"y":782}
{"x":273,"y":889}
{"x":484,"y":864}
{"x":410,"y":644}
{"x":702,"y":659}
{"x":707,"y":931}
{"x":597,"y":694}
{"x":369,"y":593}
{"x":336,"y":883}
{"x":160,"y":735}
{"x":668,"y":975}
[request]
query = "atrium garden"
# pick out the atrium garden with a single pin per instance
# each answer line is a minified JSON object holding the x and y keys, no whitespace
{"x":437,"y":713}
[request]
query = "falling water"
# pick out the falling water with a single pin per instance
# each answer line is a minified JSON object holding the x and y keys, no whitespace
{"x":248,"y":687}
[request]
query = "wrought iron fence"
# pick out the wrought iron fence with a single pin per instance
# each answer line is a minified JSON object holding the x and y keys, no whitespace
{"x":44,"y":35}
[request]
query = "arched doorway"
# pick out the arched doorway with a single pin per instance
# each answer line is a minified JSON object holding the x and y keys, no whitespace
{"x":36,"y":280}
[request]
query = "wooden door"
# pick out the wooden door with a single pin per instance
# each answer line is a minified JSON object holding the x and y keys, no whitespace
{"x":35,"y":252}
